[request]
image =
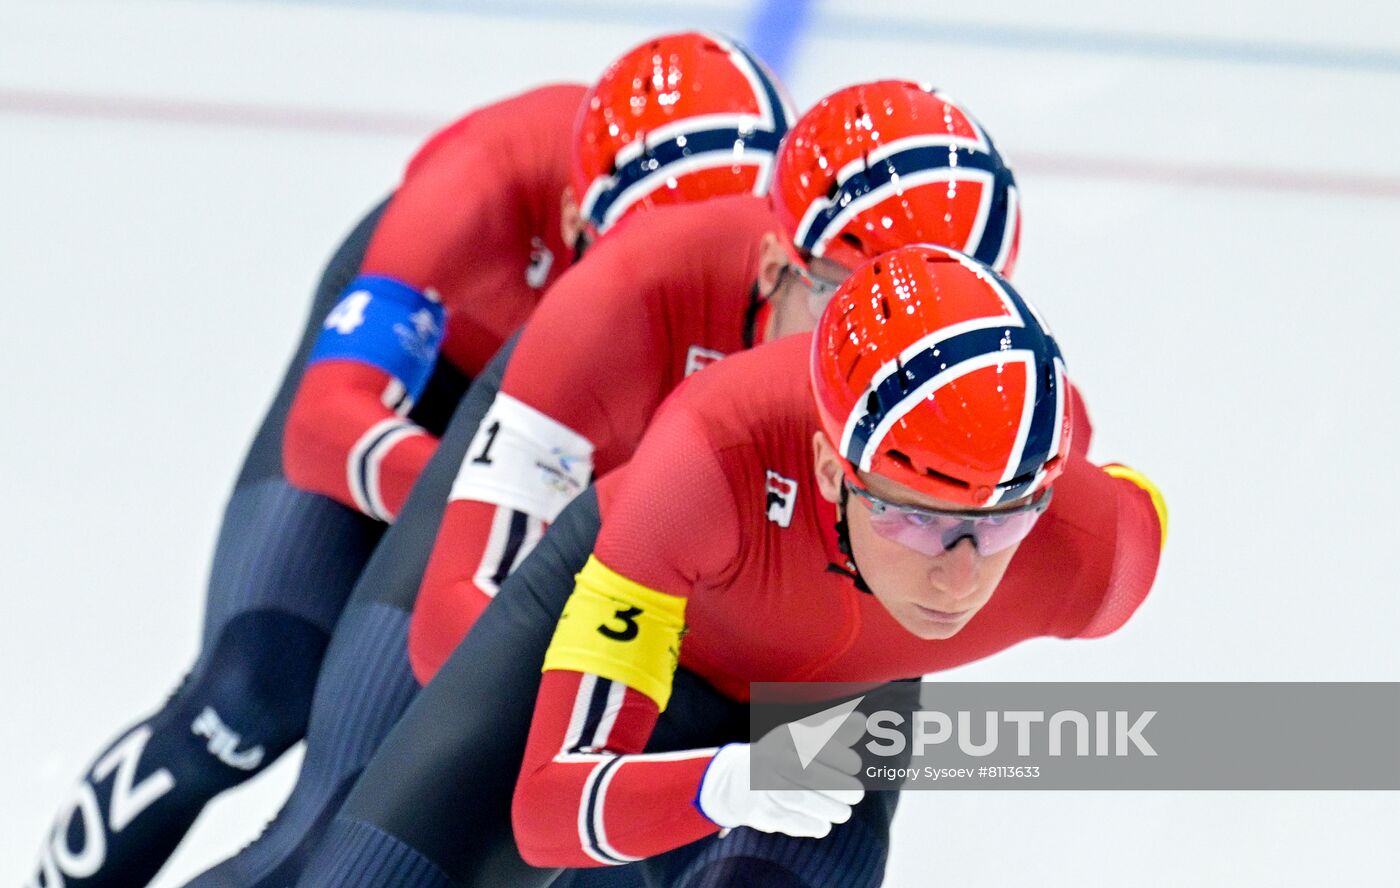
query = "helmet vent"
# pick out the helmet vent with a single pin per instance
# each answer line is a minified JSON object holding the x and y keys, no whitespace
{"x":872,"y":403}
{"x":851,"y":240}
{"x":948,"y":479}
{"x":901,"y":458}
{"x":1018,"y":480}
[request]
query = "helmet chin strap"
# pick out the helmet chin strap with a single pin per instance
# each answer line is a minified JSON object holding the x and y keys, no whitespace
{"x":753,"y":314}
{"x":760,"y":309}
{"x":843,"y":542}
{"x":580,"y":245}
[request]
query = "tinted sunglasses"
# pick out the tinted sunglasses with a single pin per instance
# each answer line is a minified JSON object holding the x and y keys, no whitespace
{"x":934,"y":531}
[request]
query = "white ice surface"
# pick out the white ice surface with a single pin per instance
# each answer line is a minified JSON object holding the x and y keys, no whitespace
{"x":160,"y":238}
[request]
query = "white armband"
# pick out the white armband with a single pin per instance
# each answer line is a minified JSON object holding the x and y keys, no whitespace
{"x":524,"y":460}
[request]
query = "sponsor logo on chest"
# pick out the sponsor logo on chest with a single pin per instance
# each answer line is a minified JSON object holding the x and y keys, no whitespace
{"x":779,"y":497}
{"x":541,"y":262}
{"x":698,"y":358}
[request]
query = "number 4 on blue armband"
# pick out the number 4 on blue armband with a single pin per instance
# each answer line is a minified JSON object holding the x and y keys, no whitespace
{"x":387,"y":324}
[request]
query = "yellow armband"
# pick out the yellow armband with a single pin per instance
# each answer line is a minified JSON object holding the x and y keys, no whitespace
{"x":620,"y":630}
{"x":1158,"y":501}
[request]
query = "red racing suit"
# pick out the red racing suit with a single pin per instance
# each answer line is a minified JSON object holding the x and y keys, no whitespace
{"x":715,"y":531}
{"x":658,"y":298}
{"x":664,"y":294}
{"x":459,"y":259}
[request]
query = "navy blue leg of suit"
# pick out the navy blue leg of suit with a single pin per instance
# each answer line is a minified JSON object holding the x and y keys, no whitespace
{"x":283,"y":567}
{"x":366,"y":682}
{"x":432,"y":808}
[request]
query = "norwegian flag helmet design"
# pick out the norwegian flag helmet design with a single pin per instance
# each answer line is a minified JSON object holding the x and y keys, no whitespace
{"x":929,"y":369}
{"x":680,"y":118}
{"x":875,"y":166}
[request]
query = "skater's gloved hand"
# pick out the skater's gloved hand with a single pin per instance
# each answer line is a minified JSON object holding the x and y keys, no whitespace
{"x":813,"y":798}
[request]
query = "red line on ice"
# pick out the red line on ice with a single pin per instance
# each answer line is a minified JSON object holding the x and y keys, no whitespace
{"x":253,"y":116}
{"x":201,"y":113}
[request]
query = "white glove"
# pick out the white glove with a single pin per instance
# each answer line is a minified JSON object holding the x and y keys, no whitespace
{"x":799,"y":809}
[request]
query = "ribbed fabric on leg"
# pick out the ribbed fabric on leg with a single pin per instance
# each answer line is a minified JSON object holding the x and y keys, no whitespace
{"x":357,"y":855}
{"x":365,"y":686}
{"x":852,"y":856}
{"x":284,"y":549}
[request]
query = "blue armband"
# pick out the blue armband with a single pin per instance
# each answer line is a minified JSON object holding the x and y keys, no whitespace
{"x":387,"y":324}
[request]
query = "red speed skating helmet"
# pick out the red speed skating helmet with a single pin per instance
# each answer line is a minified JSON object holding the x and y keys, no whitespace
{"x":931,"y":371}
{"x":879,"y":165}
{"x":680,"y":118}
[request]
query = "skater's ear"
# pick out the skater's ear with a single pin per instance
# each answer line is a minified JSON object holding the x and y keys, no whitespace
{"x":828,"y":467}
{"x":772,"y":259}
{"x":570,"y":219}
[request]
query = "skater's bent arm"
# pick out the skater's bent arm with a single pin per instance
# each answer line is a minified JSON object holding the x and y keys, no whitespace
{"x":587,"y":795}
{"x":348,"y":436}
{"x":585,"y":377}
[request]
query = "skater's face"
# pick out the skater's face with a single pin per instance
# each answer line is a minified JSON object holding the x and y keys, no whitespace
{"x":572,"y":227}
{"x":931,"y":596}
{"x":795,"y":294}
